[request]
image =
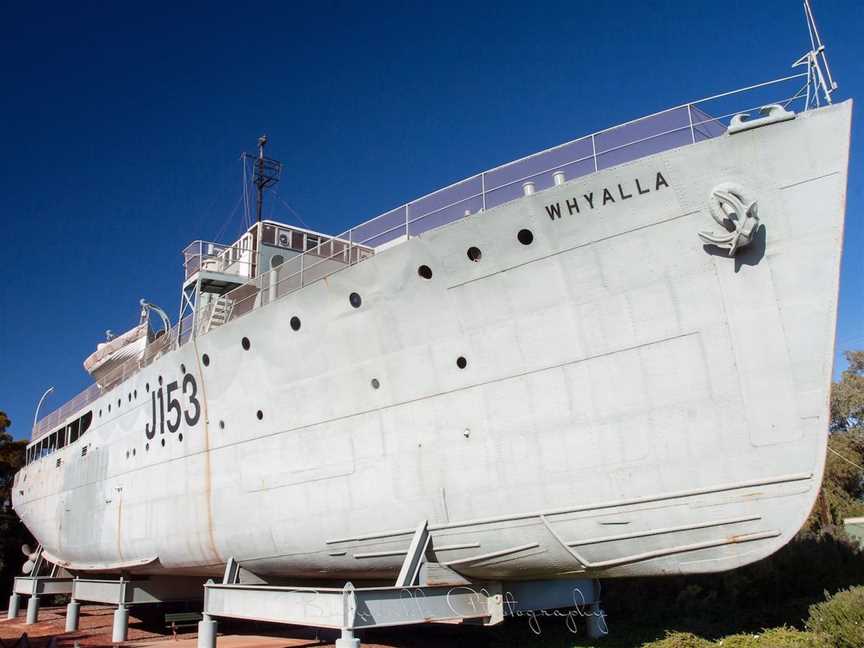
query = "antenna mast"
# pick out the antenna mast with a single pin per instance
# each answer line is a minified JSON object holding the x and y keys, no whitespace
{"x":266,"y":172}
{"x":819,"y":73}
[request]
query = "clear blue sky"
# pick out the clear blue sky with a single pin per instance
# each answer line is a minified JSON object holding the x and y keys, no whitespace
{"x":121,"y":125}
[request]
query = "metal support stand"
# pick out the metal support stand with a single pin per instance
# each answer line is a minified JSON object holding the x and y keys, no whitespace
{"x":72,"y":611}
{"x":32,"y":610}
{"x":347,"y":640}
{"x":207,"y":632}
{"x":14,"y":606}
{"x":414,"y":558}
{"x":121,"y":624}
{"x":425,"y":592}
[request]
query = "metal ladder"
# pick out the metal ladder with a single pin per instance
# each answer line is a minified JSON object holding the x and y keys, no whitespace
{"x":220,"y":312}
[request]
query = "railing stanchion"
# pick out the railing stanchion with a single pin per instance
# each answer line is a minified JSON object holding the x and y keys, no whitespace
{"x":594,"y":151}
{"x":690,"y":117}
{"x":406,"y":219}
{"x":483,"y":189}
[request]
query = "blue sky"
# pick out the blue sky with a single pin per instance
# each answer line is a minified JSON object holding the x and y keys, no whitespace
{"x":122,"y":123}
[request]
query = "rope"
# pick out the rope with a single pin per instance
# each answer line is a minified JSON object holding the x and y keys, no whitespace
{"x":851,"y":463}
{"x":292,"y":210}
{"x":228,"y":220}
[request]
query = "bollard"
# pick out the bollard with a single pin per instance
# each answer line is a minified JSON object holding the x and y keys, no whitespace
{"x":14,"y":606}
{"x":32,"y":610}
{"x":72,"y":615}
{"x":206,"y":632}
{"x":121,"y":624}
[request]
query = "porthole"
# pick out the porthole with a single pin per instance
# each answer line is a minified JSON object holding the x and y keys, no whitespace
{"x":375,"y":383}
{"x":182,"y":368}
{"x":425,"y":271}
{"x":260,"y":415}
{"x":205,"y":359}
{"x":474,"y":254}
{"x":295,"y":323}
{"x":133,"y":452}
{"x":147,"y":447}
{"x":100,"y":413}
{"x":109,"y":407}
{"x":119,"y":400}
{"x":127,"y":454}
{"x":130,"y":397}
{"x":461,"y":362}
{"x":163,"y":442}
{"x":355,"y":300}
{"x":160,"y":380}
{"x":525,"y":236}
{"x":245,"y":343}
{"x":135,"y":394}
{"x":180,"y":437}
{"x":147,"y":386}
{"x":221,"y":425}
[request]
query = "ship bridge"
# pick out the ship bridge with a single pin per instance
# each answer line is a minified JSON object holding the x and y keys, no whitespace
{"x":269,"y":260}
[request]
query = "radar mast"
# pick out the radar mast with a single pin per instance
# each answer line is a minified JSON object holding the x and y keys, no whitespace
{"x":266,"y":172}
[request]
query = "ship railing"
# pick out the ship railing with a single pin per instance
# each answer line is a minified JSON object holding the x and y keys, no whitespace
{"x":682,"y":125}
{"x":689,"y":123}
{"x":228,"y":259}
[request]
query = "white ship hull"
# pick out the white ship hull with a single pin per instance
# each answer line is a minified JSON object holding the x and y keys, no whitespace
{"x":632,"y":403}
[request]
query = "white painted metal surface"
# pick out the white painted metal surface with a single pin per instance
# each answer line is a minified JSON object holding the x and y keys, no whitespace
{"x":631,"y":403}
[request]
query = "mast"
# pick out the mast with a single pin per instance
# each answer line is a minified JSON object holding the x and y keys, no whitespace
{"x":819,"y":73}
{"x":266,"y":174}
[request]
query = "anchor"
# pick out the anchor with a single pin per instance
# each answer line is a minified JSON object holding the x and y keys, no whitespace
{"x":733,"y":212}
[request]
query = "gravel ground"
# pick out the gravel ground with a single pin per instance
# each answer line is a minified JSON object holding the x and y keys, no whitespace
{"x":146,"y":629}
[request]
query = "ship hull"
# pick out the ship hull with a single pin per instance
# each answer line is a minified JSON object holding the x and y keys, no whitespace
{"x":632,"y":402}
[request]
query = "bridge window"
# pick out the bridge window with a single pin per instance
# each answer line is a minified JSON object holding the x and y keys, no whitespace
{"x":85,"y":422}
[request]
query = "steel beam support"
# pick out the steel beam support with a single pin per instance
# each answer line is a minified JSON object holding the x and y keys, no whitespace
{"x":72,"y":612}
{"x":414,"y":558}
{"x":597,"y":627}
{"x":207,"y":632}
{"x":355,"y":609}
{"x":14,"y":606}
{"x":121,"y":624}
{"x":33,"y":610}
{"x":347,"y":640}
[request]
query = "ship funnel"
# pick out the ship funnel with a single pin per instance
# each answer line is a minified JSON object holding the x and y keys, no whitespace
{"x":558,"y":178}
{"x":528,"y":188}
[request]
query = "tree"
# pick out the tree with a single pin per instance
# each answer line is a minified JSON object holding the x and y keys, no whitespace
{"x":842,"y":493}
{"x":5,"y":424}
{"x":12,"y":532}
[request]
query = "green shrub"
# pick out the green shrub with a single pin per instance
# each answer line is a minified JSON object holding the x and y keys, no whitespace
{"x":840,"y":618}
{"x":773,"y":638}
{"x":679,"y":640}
